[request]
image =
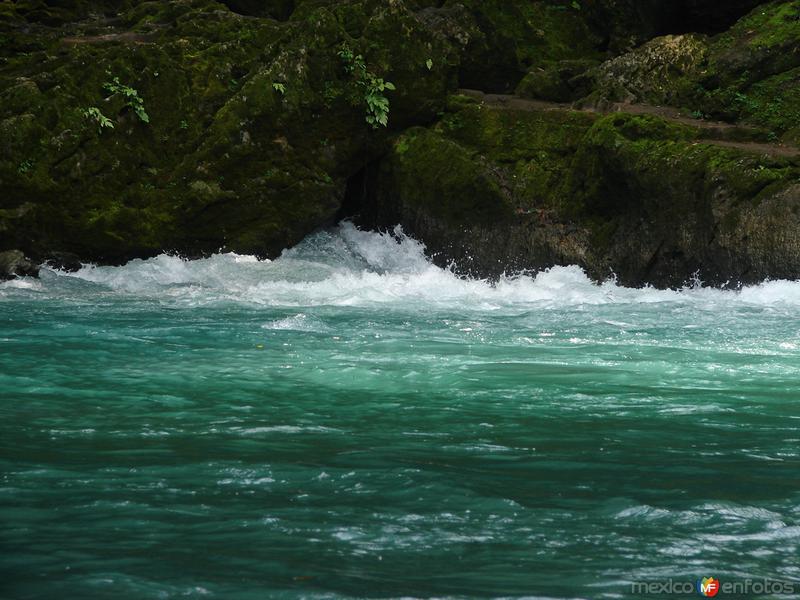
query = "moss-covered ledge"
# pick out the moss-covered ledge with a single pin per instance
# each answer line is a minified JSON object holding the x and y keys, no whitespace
{"x":495,"y":190}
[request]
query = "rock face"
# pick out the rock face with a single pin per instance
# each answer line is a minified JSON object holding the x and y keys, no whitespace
{"x":750,"y":73}
{"x":132,"y":128}
{"x":655,"y":73}
{"x":189,"y":127}
{"x":495,"y":189}
{"x":64,"y":261}
{"x":14,"y":264}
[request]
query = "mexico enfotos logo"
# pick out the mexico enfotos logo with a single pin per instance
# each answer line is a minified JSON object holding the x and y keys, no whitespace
{"x":710,"y":587}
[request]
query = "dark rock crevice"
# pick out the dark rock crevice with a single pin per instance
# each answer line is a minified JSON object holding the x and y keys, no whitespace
{"x":359,"y":202}
{"x":275,"y":9}
{"x":622,"y":24}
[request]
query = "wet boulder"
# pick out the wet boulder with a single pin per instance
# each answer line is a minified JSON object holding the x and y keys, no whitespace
{"x":13,"y":263}
{"x":64,"y":261}
{"x":498,"y":188}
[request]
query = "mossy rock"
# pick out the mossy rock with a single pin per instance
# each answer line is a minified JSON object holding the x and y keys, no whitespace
{"x":752,"y":71}
{"x":748,"y":74}
{"x":253,"y":124}
{"x":492,"y":190}
{"x":561,"y":81}
{"x":656,"y":73}
{"x":446,"y":181}
{"x":517,"y":36}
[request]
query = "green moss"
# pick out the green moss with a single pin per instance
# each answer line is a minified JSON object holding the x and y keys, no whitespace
{"x":559,"y":81}
{"x":637,"y":127}
{"x":456,"y":102}
{"x":752,"y":72}
{"x":774,"y":102}
{"x":594,"y":167}
{"x":625,"y":160}
{"x":768,"y":27}
{"x":193,"y":179}
{"x":509,"y":136}
{"x":550,"y":32}
{"x":449,"y":182}
{"x":401,"y":145}
{"x":748,"y":74}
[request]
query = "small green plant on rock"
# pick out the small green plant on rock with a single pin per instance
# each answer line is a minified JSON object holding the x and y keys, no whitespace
{"x":372,"y":86}
{"x":377,"y":102}
{"x":745,"y":103}
{"x":94,"y":114}
{"x":132,"y":98}
{"x":279,"y":87}
{"x":352,"y":62}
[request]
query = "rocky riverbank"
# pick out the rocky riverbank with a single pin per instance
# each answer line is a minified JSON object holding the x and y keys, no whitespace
{"x":653,"y":140}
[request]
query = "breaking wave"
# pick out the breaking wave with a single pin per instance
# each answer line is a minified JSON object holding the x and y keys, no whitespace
{"x":349,"y":267}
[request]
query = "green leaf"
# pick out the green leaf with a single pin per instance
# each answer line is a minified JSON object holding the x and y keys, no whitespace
{"x":93,"y":113}
{"x":429,"y":63}
{"x":133,"y":101}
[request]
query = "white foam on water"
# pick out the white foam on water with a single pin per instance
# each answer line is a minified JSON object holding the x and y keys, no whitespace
{"x":22,"y":283}
{"x":299,"y":322}
{"x":349,"y":267}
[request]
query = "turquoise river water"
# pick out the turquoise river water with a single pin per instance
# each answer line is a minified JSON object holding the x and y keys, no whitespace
{"x":351,"y":421}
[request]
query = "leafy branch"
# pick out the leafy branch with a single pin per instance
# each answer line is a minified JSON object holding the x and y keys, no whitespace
{"x":132,"y":98}
{"x":94,"y":114}
{"x":373,"y":87}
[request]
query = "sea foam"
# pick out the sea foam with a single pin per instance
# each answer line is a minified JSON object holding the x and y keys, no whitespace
{"x":346,"y":266}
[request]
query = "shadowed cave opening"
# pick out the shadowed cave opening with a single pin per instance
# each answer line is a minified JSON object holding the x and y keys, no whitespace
{"x":360,"y":203}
